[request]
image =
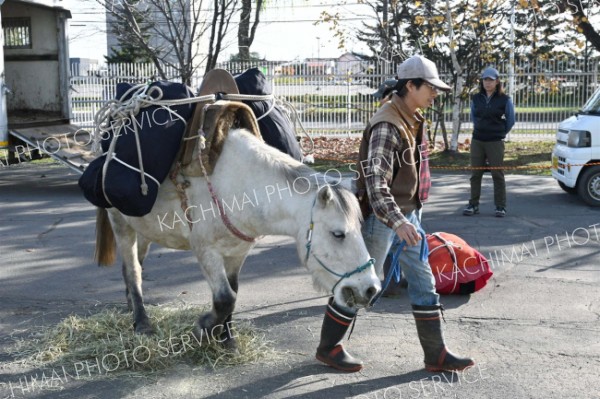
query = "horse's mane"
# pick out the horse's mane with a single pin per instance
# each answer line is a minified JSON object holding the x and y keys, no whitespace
{"x":303,"y":178}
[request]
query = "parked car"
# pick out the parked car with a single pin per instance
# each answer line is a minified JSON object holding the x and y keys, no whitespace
{"x":576,"y":155}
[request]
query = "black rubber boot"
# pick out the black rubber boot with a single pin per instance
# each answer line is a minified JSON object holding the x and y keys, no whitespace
{"x":431,"y":335}
{"x":330,"y":351}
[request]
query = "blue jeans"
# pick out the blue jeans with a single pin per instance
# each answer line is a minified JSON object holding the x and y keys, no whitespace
{"x":396,"y":241}
{"x":421,"y":283}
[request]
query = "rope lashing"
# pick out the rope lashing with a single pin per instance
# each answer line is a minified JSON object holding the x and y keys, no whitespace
{"x":114,"y":113}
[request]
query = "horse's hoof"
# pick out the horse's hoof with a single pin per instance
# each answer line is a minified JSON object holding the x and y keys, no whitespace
{"x":143,"y":329}
{"x":202,"y":335}
{"x":231,"y":346}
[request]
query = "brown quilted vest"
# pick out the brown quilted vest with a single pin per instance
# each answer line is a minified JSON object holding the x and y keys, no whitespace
{"x":405,"y":183}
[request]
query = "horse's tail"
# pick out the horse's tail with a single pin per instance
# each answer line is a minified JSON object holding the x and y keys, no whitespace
{"x":106,"y":248}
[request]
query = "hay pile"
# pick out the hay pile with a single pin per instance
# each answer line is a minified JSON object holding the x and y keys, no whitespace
{"x":106,"y":343}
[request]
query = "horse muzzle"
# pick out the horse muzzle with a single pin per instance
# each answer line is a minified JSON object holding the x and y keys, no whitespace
{"x":354,"y":297}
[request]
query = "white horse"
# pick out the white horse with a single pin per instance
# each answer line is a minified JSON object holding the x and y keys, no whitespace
{"x":262,"y":192}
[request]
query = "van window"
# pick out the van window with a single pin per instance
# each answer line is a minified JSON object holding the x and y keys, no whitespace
{"x":592,"y":106}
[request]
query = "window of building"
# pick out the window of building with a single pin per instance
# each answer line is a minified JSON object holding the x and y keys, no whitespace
{"x":17,"y":33}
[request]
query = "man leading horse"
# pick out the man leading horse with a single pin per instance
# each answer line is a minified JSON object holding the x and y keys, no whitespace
{"x":395,"y":192}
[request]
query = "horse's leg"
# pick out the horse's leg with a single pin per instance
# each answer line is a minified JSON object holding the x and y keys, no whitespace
{"x":233,"y":264}
{"x":132,"y":273}
{"x":143,"y":245}
{"x":223,"y":285}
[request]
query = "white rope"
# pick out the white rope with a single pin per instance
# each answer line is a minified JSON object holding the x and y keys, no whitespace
{"x":245,"y":97}
{"x":248,"y":97}
{"x":291,"y":111}
{"x":268,"y":111}
{"x":114,"y":113}
{"x":114,"y":157}
{"x":139,"y":91}
{"x":287,"y":106}
{"x":252,"y":97}
{"x":118,"y":110}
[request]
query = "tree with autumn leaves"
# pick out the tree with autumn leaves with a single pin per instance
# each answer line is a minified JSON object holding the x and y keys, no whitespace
{"x":461,"y":36}
{"x":464,"y":36}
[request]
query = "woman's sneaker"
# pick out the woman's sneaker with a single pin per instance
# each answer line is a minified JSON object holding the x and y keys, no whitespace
{"x":500,"y":212}
{"x":471,"y":210}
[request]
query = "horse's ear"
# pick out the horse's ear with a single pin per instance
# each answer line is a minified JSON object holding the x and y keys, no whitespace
{"x":325,"y":195}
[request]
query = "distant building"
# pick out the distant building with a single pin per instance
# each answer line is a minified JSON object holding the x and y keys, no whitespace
{"x":320,"y":66}
{"x":352,"y":64}
{"x":157,"y":41}
{"x":83,"y":66}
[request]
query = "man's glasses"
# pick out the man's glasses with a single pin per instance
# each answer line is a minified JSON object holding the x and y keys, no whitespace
{"x":432,"y":87}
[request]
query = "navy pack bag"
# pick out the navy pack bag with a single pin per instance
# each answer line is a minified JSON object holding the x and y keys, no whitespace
{"x":160,"y":133}
{"x":275,"y":127}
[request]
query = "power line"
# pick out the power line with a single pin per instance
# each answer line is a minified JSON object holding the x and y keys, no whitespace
{"x":101,"y":10}
{"x":262,"y":21}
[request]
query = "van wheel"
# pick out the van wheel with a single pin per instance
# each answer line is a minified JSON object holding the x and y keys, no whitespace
{"x":588,"y":186}
{"x":567,"y":189}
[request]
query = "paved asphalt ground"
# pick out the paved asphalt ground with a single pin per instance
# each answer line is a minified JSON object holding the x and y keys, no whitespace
{"x":534,"y":330}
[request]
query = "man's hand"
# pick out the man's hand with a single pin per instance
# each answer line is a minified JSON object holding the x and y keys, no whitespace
{"x":408,"y":232}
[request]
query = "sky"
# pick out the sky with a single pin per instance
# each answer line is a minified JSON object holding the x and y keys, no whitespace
{"x":86,"y":29}
{"x":286,"y":31}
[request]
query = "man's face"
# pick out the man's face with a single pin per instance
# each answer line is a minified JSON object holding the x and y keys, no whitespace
{"x":425,"y":95}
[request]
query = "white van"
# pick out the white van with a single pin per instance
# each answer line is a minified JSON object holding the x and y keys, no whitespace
{"x":576,"y":155}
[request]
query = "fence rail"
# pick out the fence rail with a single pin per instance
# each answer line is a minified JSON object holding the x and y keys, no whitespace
{"x":335,"y":98}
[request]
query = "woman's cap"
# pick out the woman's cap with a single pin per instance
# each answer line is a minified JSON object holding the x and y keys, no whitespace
{"x":419,"y":67}
{"x":385,"y":88}
{"x":491,"y":73}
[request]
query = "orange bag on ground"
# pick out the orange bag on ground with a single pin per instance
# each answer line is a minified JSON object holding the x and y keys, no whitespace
{"x":457,"y":267}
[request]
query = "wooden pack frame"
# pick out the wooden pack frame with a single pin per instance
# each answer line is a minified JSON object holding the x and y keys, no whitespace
{"x":213,"y":122}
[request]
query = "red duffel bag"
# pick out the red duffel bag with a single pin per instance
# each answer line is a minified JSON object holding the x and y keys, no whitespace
{"x":457,"y":267}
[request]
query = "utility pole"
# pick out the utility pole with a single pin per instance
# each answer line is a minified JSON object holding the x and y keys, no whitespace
{"x":386,"y":29}
{"x":511,"y":58}
{"x":319,"y":48}
{"x":3,"y":91}
{"x":385,"y":16}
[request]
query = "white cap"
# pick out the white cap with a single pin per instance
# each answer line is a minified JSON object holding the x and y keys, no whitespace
{"x":419,"y":67}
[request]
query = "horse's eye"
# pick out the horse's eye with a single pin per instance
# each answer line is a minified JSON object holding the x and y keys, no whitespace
{"x":338,"y":234}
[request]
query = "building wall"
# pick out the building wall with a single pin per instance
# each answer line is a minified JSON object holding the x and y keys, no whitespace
{"x":33,"y":74}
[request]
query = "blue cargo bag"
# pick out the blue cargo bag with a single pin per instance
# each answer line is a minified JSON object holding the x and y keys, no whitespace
{"x":275,"y":126}
{"x":160,"y":134}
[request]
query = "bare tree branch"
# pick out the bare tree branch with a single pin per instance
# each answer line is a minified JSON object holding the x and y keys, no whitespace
{"x":171,"y":31}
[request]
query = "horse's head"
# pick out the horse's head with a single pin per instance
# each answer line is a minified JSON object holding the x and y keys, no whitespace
{"x":334,"y":250}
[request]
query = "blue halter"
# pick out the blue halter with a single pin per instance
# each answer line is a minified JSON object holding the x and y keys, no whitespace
{"x":309,"y":232}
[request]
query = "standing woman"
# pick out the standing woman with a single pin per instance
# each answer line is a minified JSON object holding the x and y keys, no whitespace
{"x":493,"y":115}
